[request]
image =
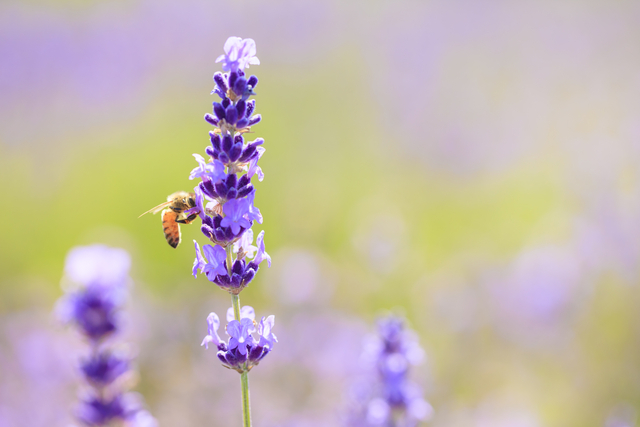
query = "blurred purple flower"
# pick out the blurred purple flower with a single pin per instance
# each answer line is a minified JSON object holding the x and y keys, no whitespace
{"x":99,"y":411}
{"x":92,"y":310}
{"x":104,"y":367}
{"x":98,"y":265}
{"x":386,"y":397}
{"x":100,"y":273}
{"x":538,"y":294}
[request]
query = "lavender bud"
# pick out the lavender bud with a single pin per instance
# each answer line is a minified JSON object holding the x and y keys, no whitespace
{"x":211,"y":119}
{"x":218,"y":77}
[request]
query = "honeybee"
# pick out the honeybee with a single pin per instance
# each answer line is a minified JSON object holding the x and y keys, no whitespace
{"x":173,"y":215}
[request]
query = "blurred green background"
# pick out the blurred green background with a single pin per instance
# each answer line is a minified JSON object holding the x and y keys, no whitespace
{"x":473,"y":165}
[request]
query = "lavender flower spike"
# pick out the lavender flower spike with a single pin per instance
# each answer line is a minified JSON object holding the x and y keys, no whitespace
{"x":97,"y":276}
{"x":231,"y":262}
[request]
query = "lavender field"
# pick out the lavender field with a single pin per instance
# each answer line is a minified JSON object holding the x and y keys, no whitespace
{"x":472,"y":168}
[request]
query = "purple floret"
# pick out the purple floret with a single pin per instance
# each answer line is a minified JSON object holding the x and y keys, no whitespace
{"x":104,"y":367}
{"x":238,"y":54}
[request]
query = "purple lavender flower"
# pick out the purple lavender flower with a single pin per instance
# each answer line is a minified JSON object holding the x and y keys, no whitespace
{"x":267,"y":338}
{"x":100,"y":411}
{"x":386,"y":397}
{"x":104,"y":367}
{"x":209,"y":171}
{"x":216,"y":261}
{"x":235,"y":212}
{"x":262,"y":254}
{"x":240,"y":333}
{"x":243,"y":351}
{"x":244,"y":245}
{"x":225,"y":196}
{"x":98,"y":275}
{"x":93,"y":310}
{"x":230,"y":213}
{"x":213,"y":324}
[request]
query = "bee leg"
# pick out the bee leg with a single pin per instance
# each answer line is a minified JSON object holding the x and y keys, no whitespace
{"x":188,"y":220}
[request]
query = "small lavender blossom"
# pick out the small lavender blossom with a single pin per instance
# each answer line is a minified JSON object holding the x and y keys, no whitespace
{"x":254,"y":213}
{"x":235,"y":211}
{"x":104,"y":367}
{"x":93,"y":310}
{"x":240,"y":333}
{"x":262,"y":254}
{"x":98,"y":275}
{"x":267,"y":338}
{"x":238,"y":54}
{"x":215,"y":265}
{"x":213,"y":324}
{"x":210,"y":171}
{"x":242,"y":351}
{"x":244,"y":245}
{"x":101,"y":411}
{"x":253,"y":167}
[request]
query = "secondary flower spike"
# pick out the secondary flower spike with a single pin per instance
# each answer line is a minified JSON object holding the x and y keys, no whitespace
{"x":97,"y":277}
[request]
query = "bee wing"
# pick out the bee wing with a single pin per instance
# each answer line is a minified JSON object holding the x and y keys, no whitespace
{"x":158,"y":208}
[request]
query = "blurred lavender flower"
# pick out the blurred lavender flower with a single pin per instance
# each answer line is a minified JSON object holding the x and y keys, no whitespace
{"x":388,"y":398}
{"x":95,"y":285}
{"x":534,"y":301}
{"x":98,"y":275}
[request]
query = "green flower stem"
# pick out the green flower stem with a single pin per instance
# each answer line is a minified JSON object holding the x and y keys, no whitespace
{"x":246,"y":407}
{"x":244,"y":377}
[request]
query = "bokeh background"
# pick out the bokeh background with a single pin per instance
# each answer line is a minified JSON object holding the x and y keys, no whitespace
{"x":472,"y":165}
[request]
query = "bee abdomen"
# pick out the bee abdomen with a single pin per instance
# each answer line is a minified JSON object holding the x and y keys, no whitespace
{"x":170,"y":227}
